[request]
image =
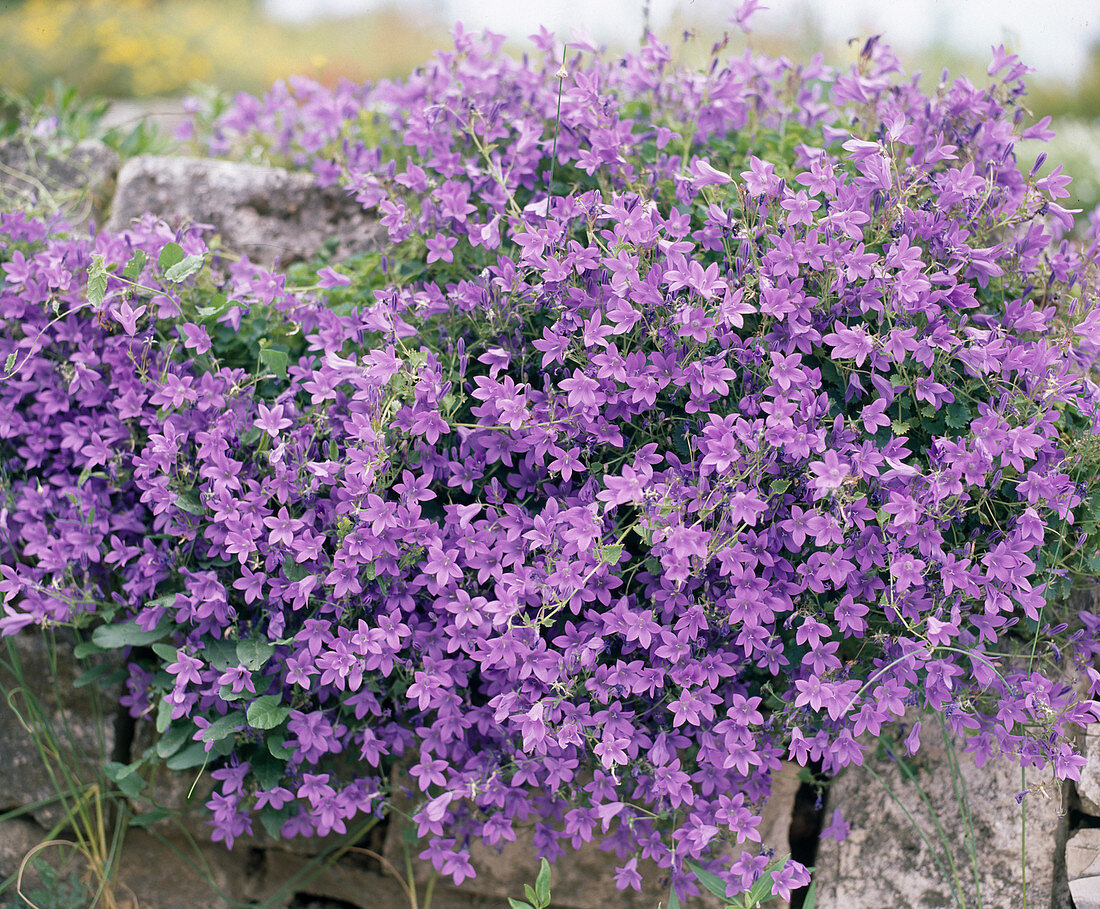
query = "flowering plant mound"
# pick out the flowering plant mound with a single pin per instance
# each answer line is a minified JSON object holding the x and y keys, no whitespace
{"x":690,"y":421}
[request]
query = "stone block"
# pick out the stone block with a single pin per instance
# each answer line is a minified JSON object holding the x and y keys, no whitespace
{"x":79,"y":720}
{"x":1088,"y":787}
{"x":1083,"y":854}
{"x":266,"y":213}
{"x":885,"y":861}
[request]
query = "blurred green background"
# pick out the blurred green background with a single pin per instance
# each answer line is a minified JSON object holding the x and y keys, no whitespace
{"x":159,"y":49}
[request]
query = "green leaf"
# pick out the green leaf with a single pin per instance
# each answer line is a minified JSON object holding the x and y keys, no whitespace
{"x":194,"y":755}
{"x":276,"y":745}
{"x":226,"y":693}
{"x":10,"y":364}
{"x":86,"y":474}
{"x":167,"y":652}
{"x":778,"y":487}
{"x":219,"y":303}
{"x":254,"y":652}
{"x":131,"y":786}
{"x":542,"y":884}
{"x":86,"y":649}
{"x":267,"y":770}
{"x":125,"y":776}
{"x":295,"y":571}
{"x":129,"y":634}
{"x":673,"y":899}
{"x":97,"y":285}
{"x":220,"y":654}
{"x":762,"y":888}
{"x":105,"y":674}
{"x":611,"y":554}
{"x":519,"y":904}
{"x":274,"y":818}
{"x":275,"y":360}
{"x":189,"y":501}
{"x":222,"y":727}
{"x":164,"y":715}
{"x":148,"y":818}
{"x":115,"y":770}
{"x":711,"y":881}
{"x":250,"y":436}
{"x":958,"y":415}
{"x":172,"y":740}
{"x":811,"y":896}
{"x":172,"y":254}
{"x":183,"y":269}
{"x":134,"y":267}
{"x":267,"y":712}
{"x":529,"y":892}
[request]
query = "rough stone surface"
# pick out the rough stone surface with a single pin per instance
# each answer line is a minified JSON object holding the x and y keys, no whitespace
{"x":1088,"y":788}
{"x":1083,"y":854}
{"x":1086,"y":892}
{"x":76,"y":181}
{"x":884,"y":861}
{"x":266,"y":213}
{"x":81,"y":719}
{"x":154,"y":872}
{"x":18,"y":836}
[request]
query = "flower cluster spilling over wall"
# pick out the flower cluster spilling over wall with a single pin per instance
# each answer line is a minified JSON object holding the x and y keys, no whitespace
{"x":688,"y":422}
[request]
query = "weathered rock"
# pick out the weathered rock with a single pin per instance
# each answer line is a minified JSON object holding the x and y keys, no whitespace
{"x":266,"y":213}
{"x":79,"y":721}
{"x":1088,"y":787}
{"x":73,"y":181}
{"x":18,"y":836}
{"x":885,"y":861}
{"x":1086,"y":892}
{"x":153,"y":871}
{"x":1083,"y":853}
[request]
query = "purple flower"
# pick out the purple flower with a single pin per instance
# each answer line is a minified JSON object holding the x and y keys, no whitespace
{"x":127,"y":316}
{"x":627,"y":876}
{"x":912,"y":740}
{"x":195,"y":338}
{"x":329,"y":278}
{"x":440,"y":248}
{"x":829,"y":473}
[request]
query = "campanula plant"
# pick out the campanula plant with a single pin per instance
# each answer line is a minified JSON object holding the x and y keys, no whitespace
{"x":686,"y":422}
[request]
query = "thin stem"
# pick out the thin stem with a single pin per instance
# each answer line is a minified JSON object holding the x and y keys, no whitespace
{"x":557,"y":125}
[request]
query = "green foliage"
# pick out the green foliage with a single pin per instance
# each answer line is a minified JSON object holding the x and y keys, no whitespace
{"x":538,"y":897}
{"x":758,"y":895}
{"x":62,"y":116}
{"x":55,"y":891}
